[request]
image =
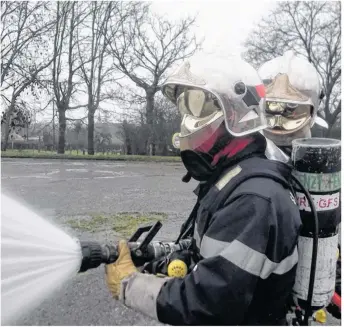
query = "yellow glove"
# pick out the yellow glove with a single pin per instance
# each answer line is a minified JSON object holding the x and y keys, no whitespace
{"x":120,"y":269}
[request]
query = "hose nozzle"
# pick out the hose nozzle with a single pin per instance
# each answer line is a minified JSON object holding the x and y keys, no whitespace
{"x":94,"y":254}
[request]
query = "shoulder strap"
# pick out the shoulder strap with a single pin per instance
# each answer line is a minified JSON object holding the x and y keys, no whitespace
{"x":186,"y":229}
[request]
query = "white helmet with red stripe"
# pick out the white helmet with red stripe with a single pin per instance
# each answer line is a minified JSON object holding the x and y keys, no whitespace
{"x":213,"y":90}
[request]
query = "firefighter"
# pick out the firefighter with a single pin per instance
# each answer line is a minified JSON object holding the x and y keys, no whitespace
{"x":293,"y":97}
{"x":246,"y":222}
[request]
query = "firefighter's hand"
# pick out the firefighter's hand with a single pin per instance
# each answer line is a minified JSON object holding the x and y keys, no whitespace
{"x":120,"y":269}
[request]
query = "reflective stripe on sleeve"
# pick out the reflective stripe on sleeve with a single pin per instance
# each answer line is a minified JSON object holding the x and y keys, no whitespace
{"x":246,"y":258}
{"x":197,"y":237}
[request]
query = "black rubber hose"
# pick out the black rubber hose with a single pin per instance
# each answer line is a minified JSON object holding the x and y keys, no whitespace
{"x":308,"y":311}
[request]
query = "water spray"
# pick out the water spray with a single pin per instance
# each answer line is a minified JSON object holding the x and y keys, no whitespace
{"x":38,"y":257}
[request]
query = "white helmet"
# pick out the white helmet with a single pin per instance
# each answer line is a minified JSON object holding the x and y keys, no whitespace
{"x":292,"y":97}
{"x":211,"y":91}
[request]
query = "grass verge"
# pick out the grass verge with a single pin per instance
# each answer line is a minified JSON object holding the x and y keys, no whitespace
{"x":79,"y":156}
{"x":124,"y":223}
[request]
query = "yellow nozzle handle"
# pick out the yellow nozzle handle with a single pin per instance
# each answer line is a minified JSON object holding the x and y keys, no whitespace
{"x":177,"y":268}
{"x":320,"y":316}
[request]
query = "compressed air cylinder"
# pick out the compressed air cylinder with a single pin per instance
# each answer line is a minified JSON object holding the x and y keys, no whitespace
{"x":317,"y":164}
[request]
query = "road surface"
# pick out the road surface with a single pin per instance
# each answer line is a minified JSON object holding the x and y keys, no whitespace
{"x":61,"y":188}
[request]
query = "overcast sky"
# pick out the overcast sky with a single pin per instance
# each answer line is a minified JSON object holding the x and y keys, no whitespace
{"x":223,"y":24}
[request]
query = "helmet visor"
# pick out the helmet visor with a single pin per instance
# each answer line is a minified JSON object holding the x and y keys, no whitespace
{"x":287,"y":116}
{"x":197,"y":103}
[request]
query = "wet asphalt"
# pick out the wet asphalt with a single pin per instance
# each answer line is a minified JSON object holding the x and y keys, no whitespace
{"x":59,"y":189}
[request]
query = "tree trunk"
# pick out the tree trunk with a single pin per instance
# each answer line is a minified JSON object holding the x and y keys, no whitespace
{"x":128,"y":146}
{"x":90,"y":132}
{"x":150,"y":122}
{"x":62,"y":130}
{"x":7,"y":127}
{"x":7,"y":134}
{"x":54,"y":139}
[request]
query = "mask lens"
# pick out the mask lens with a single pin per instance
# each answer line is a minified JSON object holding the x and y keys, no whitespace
{"x":195,"y":100}
{"x":201,"y":104}
{"x":289,"y":124}
{"x":284,"y":123}
{"x":287,"y":116}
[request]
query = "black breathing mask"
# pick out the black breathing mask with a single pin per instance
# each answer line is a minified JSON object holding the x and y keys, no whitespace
{"x":197,"y":164}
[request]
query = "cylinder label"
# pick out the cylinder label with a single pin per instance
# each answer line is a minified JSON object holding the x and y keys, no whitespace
{"x":325,"y":275}
{"x":319,"y":182}
{"x":321,"y":202}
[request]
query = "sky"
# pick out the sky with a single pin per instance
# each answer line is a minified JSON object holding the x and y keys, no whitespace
{"x":224,"y":25}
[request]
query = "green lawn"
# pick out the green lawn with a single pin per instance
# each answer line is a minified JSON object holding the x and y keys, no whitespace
{"x":79,"y":156}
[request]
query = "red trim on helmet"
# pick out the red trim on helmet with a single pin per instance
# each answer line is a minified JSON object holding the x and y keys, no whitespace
{"x":260,"y":90}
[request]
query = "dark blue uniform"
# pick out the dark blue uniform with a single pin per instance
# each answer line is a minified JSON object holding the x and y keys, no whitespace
{"x":247,"y":242}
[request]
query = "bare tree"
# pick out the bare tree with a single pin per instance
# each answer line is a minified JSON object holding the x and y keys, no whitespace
{"x":311,"y":29}
{"x":145,"y":47}
{"x":96,"y":65}
{"x":69,"y":15}
{"x":26,"y":30}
